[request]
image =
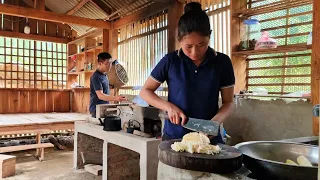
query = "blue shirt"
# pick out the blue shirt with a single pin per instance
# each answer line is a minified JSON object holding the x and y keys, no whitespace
{"x":98,"y":81}
{"x":195,"y":90}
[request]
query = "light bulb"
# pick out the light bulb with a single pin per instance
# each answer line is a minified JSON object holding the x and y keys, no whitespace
{"x":27,"y":29}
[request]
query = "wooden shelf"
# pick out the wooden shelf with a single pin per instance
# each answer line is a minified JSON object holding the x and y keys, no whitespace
{"x":78,"y":54}
{"x":81,"y":89}
{"x":273,"y":96}
{"x":90,"y":71}
{"x":81,"y":72}
{"x":271,"y":7}
{"x":73,"y":73}
{"x":91,"y":50}
{"x":279,"y":49}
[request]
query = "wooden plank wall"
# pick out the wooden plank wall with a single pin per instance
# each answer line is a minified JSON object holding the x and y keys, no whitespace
{"x":34,"y":101}
{"x":81,"y":100}
{"x":37,"y":27}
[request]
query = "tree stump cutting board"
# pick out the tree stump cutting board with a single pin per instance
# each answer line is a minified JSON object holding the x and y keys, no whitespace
{"x":228,"y":160}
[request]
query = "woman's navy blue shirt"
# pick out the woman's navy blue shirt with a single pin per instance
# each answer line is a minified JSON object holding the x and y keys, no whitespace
{"x":195,"y":90}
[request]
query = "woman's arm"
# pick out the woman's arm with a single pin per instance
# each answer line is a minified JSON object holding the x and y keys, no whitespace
{"x":227,"y":105}
{"x":147,"y":93}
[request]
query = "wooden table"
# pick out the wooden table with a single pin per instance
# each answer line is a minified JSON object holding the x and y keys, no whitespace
{"x":146,"y":147}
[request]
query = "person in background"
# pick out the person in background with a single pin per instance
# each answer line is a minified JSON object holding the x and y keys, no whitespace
{"x":99,"y":84}
{"x":195,"y":75}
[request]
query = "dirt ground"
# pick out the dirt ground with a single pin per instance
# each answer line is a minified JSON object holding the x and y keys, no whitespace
{"x":58,"y":165}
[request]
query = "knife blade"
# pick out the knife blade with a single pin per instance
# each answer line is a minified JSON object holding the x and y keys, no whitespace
{"x":200,"y":125}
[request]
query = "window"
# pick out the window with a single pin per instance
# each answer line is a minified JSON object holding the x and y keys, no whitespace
{"x":282,"y":73}
{"x":31,"y":64}
{"x":51,"y":65}
{"x":141,"y":46}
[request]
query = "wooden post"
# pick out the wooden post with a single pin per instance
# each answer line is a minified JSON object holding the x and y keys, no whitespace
{"x":38,"y":141}
{"x":105,"y":40}
{"x":113,"y":43}
{"x":239,"y":62}
{"x":174,"y":13}
{"x":315,"y":62}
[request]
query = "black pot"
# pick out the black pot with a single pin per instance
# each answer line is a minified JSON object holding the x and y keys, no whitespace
{"x":111,"y":123}
{"x":132,"y":126}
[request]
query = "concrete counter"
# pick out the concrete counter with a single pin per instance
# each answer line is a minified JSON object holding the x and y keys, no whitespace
{"x":124,"y":155}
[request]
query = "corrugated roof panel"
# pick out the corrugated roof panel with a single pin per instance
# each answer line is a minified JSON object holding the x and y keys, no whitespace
{"x":61,"y":6}
{"x":81,"y":29}
{"x":99,"y":11}
{"x":92,"y":11}
{"x":134,"y":7}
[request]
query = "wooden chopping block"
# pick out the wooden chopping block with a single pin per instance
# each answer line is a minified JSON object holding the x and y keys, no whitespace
{"x":7,"y":165}
{"x":229,"y":159}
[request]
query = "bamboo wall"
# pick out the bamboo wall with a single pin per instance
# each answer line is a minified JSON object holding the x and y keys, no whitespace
{"x":141,"y":45}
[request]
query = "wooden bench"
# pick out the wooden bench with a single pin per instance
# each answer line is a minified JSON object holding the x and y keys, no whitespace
{"x":39,"y":146}
{"x":35,"y":131}
{"x":7,"y":165}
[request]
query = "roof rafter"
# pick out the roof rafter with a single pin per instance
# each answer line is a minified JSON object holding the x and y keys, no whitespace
{"x":77,"y":7}
{"x":102,"y":6}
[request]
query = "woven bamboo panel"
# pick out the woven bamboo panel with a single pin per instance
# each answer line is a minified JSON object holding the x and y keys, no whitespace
{"x":141,"y":46}
{"x":288,"y":71}
{"x":286,"y":74}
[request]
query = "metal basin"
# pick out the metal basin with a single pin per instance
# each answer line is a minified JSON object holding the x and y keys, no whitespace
{"x":267,"y":159}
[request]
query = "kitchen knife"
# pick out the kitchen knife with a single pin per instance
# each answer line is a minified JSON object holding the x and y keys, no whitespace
{"x":205,"y":126}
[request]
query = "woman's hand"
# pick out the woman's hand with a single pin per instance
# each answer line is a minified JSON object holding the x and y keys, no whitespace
{"x":211,"y":137}
{"x":176,"y":115}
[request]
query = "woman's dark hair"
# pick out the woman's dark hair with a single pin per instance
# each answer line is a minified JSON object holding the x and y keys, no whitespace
{"x":193,"y":20}
{"x":192,"y":6}
{"x":103,"y":57}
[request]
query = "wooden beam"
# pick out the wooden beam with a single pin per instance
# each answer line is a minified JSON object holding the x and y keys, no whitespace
{"x":33,"y":37}
{"x":175,"y":11}
{"x":102,"y":6}
{"x":113,"y":43}
{"x":238,"y":62}
{"x":40,"y":5}
{"x":77,"y":7}
{"x":156,"y":7}
{"x":51,"y":16}
{"x":315,"y":63}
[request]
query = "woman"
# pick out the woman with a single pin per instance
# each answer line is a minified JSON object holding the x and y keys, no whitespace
{"x":195,"y":75}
